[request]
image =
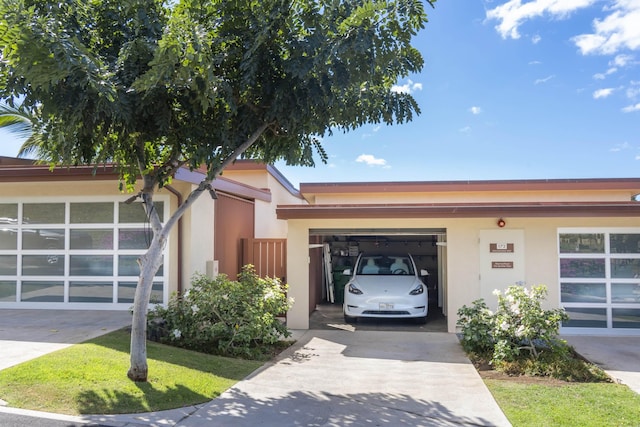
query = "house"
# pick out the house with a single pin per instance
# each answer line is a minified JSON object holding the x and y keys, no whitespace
{"x":580,"y":237}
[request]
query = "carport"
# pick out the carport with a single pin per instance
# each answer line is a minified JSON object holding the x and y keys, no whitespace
{"x":333,"y":250}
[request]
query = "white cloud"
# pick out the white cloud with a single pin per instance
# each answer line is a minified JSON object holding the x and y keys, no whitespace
{"x":620,"y":147}
{"x":535,"y":63}
{"x":618,"y":30}
{"x":602,"y":76}
{"x":465,"y":129}
{"x":377,"y":128}
{"x":475,"y":110}
{"x":544,"y":80}
{"x":514,"y":13}
{"x":631,"y":108}
{"x":621,"y":60}
{"x":603,"y":93}
{"x":536,"y":39}
{"x":634,"y":91}
{"x":409,"y":87}
{"x":371,"y":160}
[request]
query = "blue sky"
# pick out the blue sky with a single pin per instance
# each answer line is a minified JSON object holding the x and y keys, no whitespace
{"x":510,"y":90}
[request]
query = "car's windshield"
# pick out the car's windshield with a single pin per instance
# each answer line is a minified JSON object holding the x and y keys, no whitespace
{"x":383,"y":265}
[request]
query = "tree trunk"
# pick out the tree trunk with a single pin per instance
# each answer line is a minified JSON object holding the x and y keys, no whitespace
{"x":149,"y":265}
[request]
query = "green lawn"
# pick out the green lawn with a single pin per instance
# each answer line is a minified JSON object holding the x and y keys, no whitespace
{"x":571,"y":404}
{"x":90,"y":378}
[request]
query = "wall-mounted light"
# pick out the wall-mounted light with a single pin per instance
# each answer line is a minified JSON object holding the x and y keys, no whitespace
{"x":501,"y":223}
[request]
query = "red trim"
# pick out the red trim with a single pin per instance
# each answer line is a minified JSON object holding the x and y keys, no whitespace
{"x":461,"y":210}
{"x":466,"y":186}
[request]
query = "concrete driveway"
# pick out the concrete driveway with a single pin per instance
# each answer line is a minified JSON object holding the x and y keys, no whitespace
{"x":27,"y":334}
{"x":360,"y":378}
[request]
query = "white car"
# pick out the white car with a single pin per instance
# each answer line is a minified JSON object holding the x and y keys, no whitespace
{"x":385,"y":286}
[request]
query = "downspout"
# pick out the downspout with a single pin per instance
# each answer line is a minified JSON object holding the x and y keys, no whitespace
{"x":180,"y":200}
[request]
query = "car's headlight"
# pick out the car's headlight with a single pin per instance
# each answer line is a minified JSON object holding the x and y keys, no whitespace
{"x":417,"y":290}
{"x":353,"y":289}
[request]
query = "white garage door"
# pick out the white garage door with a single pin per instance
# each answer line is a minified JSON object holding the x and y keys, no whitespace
{"x":74,"y":253}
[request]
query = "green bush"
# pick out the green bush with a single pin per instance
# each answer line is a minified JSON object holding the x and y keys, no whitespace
{"x":521,"y":337}
{"x":477,"y":323}
{"x":225,"y":317}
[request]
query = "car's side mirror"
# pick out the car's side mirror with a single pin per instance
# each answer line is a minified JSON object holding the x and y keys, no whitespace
{"x":346,"y":272}
{"x":424,"y":272}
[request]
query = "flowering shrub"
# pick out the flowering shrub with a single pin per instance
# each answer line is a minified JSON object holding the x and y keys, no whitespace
{"x":519,"y":324}
{"x":221,"y":316}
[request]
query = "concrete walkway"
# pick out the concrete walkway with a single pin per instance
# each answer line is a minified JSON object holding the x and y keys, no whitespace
{"x":27,"y":334}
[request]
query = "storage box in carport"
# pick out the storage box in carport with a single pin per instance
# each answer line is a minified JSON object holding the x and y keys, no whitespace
{"x":339,"y":282}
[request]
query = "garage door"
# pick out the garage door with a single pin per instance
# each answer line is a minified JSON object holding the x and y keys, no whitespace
{"x":74,"y":253}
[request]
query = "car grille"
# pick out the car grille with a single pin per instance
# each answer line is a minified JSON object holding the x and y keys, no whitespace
{"x":386,"y":312}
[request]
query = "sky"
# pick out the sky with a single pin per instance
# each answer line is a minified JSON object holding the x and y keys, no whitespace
{"x":517,"y":89}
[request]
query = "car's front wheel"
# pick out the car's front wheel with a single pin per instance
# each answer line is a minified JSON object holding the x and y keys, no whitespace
{"x":421,"y":320}
{"x":350,"y":319}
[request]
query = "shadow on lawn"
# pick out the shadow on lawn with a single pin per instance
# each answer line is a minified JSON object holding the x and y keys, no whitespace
{"x":216,"y":365}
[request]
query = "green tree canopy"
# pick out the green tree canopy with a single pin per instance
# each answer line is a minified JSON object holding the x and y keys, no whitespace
{"x":152,"y":85}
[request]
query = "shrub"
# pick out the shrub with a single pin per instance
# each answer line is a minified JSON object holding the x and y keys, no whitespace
{"x":521,"y":337}
{"x":221,"y":316}
{"x":520,"y":323}
{"x":477,"y":324}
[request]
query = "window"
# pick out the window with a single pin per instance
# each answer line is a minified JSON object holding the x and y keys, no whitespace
{"x":600,"y":278}
{"x":74,"y":251}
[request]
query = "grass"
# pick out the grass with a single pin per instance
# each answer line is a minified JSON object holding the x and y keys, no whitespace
{"x":568,"y":404}
{"x":90,"y":378}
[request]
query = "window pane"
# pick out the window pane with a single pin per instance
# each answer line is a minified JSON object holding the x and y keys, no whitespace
{"x":582,"y":243}
{"x":625,"y":243}
{"x":8,"y":213}
{"x":127,"y":291}
{"x":583,"y":292}
{"x":42,"y":291}
{"x":91,"y":292}
{"x":134,"y":238}
{"x":8,"y":237}
{"x":8,"y":265}
{"x":586,"y":318}
{"x":582,"y":268}
{"x":42,"y":238}
{"x":8,"y":222}
{"x":98,"y":238}
{"x":626,"y":318}
{"x":91,"y":213}
{"x":43,"y":213}
{"x":135,"y":213}
{"x":91,"y":265}
{"x":625,"y":292}
{"x":128,"y":266}
{"x":8,"y":291}
{"x":43,"y":265}
{"x":625,"y":268}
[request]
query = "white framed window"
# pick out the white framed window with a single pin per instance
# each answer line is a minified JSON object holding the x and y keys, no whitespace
{"x":599,"y":277}
{"x":76,"y":252}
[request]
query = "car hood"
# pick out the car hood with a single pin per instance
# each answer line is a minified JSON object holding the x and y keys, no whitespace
{"x":391,"y":283}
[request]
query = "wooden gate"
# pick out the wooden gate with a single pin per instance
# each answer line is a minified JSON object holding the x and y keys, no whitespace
{"x":268,"y":256}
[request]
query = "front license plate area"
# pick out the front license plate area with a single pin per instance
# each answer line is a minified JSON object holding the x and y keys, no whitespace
{"x":386,"y":306}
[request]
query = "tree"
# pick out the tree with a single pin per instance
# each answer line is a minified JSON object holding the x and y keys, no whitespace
{"x":152,"y":86}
